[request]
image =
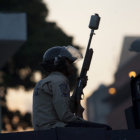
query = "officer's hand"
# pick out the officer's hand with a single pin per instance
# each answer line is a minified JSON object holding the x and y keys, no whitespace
{"x":84,"y":81}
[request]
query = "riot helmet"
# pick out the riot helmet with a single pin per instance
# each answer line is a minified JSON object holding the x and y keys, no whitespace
{"x":57,"y":58}
{"x":58,"y":53}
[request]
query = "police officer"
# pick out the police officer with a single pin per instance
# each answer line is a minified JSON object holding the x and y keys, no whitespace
{"x":51,"y":97}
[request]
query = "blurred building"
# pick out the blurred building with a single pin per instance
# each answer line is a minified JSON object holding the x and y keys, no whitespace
{"x":97,"y":109}
{"x":119,"y":92}
{"x":13,"y":33}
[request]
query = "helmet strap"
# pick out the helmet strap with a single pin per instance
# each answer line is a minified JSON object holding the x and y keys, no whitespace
{"x":56,"y":61}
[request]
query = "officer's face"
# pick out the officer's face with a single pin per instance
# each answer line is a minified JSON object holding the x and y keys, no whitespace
{"x":70,"y":68}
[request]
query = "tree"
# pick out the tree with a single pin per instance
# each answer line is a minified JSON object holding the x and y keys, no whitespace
{"x":21,"y":68}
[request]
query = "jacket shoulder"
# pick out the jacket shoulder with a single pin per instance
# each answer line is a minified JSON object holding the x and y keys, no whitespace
{"x":54,"y":77}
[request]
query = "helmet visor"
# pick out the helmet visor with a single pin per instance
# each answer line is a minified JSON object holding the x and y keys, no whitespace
{"x":76,"y":54}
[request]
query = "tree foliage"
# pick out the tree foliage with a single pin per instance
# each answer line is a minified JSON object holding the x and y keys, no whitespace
{"x":20,"y":69}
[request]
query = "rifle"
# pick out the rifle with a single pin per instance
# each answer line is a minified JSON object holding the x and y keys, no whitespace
{"x":78,"y":91}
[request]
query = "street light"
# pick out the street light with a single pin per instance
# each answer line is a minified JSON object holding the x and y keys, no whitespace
{"x":112,"y":91}
{"x":132,"y":74}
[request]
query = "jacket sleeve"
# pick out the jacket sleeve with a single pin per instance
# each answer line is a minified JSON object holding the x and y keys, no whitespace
{"x":61,"y":100}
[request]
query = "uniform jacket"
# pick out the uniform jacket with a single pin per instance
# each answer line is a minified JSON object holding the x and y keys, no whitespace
{"x":51,"y":99}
